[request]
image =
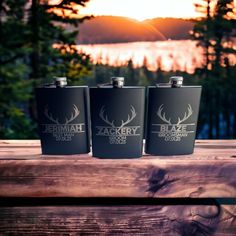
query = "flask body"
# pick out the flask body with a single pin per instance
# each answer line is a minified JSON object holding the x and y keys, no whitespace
{"x":63,"y":119}
{"x":172,"y":120}
{"x":117,"y":118}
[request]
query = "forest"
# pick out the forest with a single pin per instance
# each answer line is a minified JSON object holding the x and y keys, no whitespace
{"x":29,"y":32}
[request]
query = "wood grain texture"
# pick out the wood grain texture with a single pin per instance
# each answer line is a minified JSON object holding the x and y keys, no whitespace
{"x":123,"y":220}
{"x":30,"y":149}
{"x":209,"y":172}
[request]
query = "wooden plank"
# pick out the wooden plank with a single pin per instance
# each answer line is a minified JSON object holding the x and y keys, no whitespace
{"x":19,"y":142}
{"x":209,"y":172}
{"x":37,"y":142}
{"x":119,"y":220}
{"x":30,"y":149}
{"x":118,"y":178}
{"x":30,"y":143}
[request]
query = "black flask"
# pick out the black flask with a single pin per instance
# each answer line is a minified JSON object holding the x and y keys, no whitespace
{"x":63,"y":118}
{"x":117,"y":118}
{"x":172,"y":118}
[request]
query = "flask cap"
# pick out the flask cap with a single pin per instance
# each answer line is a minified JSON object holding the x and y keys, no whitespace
{"x":60,"y":81}
{"x":176,"y":81}
{"x":117,"y":82}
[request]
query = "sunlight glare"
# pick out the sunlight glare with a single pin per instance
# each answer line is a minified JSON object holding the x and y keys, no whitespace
{"x":141,"y":9}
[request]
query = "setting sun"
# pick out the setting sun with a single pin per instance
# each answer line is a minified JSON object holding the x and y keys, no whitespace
{"x":141,"y":10}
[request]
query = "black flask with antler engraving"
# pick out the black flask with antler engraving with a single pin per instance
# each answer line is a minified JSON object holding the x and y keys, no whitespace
{"x":172,"y":118}
{"x":117,"y":118}
{"x":63,"y":118}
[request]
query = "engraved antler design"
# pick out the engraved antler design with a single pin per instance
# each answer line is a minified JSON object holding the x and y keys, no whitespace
{"x":111,"y":123}
{"x":186,"y":115}
{"x":163,"y":116}
{"x":130,"y":118}
{"x":105,"y":118}
{"x":73,"y":115}
{"x":49,"y":116}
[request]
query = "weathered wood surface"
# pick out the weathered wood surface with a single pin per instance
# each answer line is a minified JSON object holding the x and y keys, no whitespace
{"x":209,"y":172}
{"x":123,"y":220}
{"x":204,"y":149}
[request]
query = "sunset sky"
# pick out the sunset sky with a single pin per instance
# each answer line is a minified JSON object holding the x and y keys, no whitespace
{"x":142,"y":9}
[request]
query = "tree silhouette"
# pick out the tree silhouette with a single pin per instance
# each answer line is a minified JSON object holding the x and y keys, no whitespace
{"x":37,"y":42}
{"x":214,"y":32}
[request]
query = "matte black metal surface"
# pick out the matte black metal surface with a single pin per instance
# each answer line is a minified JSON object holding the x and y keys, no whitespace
{"x":117,"y":117}
{"x":63,"y":118}
{"x":172,"y":120}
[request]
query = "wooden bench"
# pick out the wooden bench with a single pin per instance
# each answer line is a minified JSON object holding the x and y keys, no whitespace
{"x":75,"y":195}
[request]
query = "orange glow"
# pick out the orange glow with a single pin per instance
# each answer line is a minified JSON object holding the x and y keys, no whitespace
{"x":142,"y":9}
{"x":137,"y":9}
{"x":73,"y":13}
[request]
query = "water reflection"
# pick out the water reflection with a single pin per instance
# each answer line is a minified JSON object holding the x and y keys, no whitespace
{"x":172,"y":55}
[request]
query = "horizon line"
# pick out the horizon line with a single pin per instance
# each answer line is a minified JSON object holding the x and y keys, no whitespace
{"x":161,"y":17}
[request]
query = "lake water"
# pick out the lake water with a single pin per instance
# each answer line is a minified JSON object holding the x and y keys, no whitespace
{"x":174,"y":55}
{"x":169,"y":55}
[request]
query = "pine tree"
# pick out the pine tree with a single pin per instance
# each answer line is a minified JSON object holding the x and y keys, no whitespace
{"x":214,"y":32}
{"x":131,"y":75}
{"x":147,"y":78}
{"x":214,"y":29}
{"x":202,"y":31}
{"x":15,"y":88}
{"x":223,"y":28}
{"x":159,"y":71}
{"x":37,"y":42}
{"x":55,"y":25}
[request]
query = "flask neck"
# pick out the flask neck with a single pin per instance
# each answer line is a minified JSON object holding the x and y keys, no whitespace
{"x":115,"y":82}
{"x":174,"y":82}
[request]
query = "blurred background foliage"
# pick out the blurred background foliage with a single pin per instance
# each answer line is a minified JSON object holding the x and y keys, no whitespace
{"x":28,"y":31}
{"x":35,"y":46}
